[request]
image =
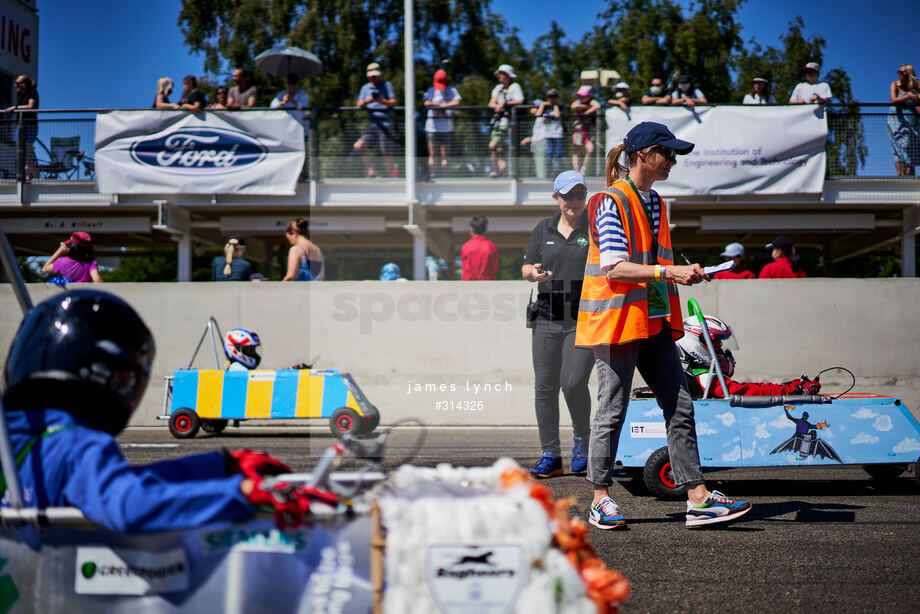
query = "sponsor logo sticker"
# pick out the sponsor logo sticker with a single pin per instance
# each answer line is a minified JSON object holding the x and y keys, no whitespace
{"x":477,"y":579}
{"x":107,"y":571}
{"x":648,"y":430}
{"x":198,"y":151}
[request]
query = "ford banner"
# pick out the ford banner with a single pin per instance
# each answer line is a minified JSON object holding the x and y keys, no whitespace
{"x":170,"y":152}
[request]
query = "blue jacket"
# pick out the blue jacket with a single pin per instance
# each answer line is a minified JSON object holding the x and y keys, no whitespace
{"x":84,"y":468}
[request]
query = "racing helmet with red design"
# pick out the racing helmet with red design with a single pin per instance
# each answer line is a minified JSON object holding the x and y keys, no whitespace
{"x":242,"y":346}
{"x":695,"y":353}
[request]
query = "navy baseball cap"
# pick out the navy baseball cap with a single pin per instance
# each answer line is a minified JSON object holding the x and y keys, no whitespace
{"x":647,"y":134}
{"x":781,"y":242}
{"x":567,"y":180}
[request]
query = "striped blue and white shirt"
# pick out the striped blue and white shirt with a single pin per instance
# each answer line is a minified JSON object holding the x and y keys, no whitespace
{"x":612,"y":243}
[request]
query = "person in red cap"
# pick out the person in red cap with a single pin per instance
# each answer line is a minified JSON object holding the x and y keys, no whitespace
{"x":74,"y":260}
{"x":440,"y":124}
{"x":785,"y":259}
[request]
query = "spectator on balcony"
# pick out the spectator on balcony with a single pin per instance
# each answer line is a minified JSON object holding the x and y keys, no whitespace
{"x":439,"y":125}
{"x":305,"y":258}
{"x":811,"y":91}
{"x":243,"y":94}
{"x":657,"y":93}
{"x":761,"y":93}
{"x":546,"y":139}
{"x":621,"y":96}
{"x":293,"y":97}
{"x":164,"y":90}
{"x":687,"y":93}
{"x":220,"y":99}
{"x":584,"y":133}
{"x":74,"y":260}
{"x":505,"y":96}
{"x":232,"y":266}
{"x":192,"y":98}
{"x":378,"y":97}
{"x":479,"y":256}
{"x":27,"y":98}
{"x":735,"y":253}
{"x":785,"y":261}
{"x":904,"y":121}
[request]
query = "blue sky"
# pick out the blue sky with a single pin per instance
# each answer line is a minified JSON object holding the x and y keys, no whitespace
{"x":109,"y":53}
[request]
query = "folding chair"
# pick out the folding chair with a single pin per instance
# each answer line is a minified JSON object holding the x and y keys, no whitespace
{"x":64,"y":158}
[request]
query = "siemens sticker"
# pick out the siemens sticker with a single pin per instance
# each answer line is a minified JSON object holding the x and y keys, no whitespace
{"x":199,"y":151}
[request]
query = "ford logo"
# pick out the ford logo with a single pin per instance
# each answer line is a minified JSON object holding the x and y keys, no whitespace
{"x":199,"y":151}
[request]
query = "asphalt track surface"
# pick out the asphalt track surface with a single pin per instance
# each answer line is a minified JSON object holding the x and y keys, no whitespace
{"x":819,"y":539}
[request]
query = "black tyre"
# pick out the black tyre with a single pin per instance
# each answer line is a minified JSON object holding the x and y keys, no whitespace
{"x":184,"y":423}
{"x":884,"y":473}
{"x":369,"y":423}
{"x":658,"y":478}
{"x":345,"y":420}
{"x":213,"y":425}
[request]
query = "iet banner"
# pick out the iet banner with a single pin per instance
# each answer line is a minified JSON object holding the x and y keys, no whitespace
{"x":754,"y":149}
{"x":177,"y":152}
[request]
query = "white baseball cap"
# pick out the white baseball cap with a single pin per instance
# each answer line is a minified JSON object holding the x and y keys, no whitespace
{"x":732,"y":250}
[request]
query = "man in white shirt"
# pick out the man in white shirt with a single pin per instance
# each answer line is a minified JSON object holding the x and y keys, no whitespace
{"x":810,"y":91}
{"x":505,"y":95}
{"x":294,"y":98}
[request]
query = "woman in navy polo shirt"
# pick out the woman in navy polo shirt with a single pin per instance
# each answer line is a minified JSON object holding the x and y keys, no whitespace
{"x":555,"y":259}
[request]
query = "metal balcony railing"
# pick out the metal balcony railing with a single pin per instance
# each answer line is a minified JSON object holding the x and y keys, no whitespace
{"x":58,"y":145}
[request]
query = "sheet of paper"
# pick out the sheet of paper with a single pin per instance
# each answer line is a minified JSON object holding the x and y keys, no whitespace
{"x":712,"y":270}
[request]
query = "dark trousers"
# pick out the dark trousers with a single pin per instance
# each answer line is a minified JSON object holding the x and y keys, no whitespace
{"x":557,"y":363}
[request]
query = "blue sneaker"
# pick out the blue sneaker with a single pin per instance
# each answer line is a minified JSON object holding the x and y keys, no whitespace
{"x":580,"y":455}
{"x":606,"y":515}
{"x":547,"y":467}
{"x":717,"y":508}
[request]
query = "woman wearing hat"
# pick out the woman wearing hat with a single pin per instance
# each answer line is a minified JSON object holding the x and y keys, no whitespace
{"x":761,"y":93}
{"x":505,"y":95}
{"x":555,"y":260}
{"x":785,"y":261}
{"x":74,"y":260}
{"x":735,"y":253}
{"x":439,"y":126}
{"x":629,"y":314}
{"x":621,"y":96}
{"x":583,"y":132}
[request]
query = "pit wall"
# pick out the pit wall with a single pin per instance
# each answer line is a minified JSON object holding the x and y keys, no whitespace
{"x":458,"y":353}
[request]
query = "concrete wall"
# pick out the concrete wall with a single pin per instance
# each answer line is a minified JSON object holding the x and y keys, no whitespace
{"x":468,"y":340}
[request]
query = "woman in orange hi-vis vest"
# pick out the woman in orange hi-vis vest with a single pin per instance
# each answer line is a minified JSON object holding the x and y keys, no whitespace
{"x":629,"y":314}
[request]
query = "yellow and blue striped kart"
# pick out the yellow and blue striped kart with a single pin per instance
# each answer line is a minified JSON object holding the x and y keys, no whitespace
{"x":210,"y":399}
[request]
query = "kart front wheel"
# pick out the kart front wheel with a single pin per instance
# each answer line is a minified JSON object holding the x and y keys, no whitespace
{"x":345,"y":420}
{"x":184,"y":423}
{"x":368,"y":423}
{"x":658,"y":477}
{"x":213,"y":425}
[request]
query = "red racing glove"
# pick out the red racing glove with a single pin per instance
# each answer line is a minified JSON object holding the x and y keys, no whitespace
{"x":289,"y":502}
{"x":254,"y":465}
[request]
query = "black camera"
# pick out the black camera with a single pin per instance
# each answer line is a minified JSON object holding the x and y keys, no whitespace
{"x":375,"y":92}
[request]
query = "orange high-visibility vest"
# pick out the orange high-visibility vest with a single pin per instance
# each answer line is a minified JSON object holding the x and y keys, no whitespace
{"x":612,"y":312}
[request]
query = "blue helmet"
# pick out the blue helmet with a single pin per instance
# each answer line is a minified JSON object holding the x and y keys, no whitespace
{"x":389,"y":272}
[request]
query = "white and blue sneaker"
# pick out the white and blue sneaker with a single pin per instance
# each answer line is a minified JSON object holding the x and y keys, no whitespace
{"x":716,"y":508}
{"x":606,"y":515}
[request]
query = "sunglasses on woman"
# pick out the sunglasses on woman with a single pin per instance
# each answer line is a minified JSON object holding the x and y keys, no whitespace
{"x":668,"y":153}
{"x":574,"y":194}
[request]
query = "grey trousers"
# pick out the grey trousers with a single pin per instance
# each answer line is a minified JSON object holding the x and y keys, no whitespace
{"x":658,"y":363}
{"x":557,"y":363}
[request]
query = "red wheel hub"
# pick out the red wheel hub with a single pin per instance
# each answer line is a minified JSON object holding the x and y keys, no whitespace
{"x":183,"y":423}
{"x":666,"y":476}
{"x":344,"y":423}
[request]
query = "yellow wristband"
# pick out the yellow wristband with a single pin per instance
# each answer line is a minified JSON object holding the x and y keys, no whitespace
{"x":657,"y":272}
